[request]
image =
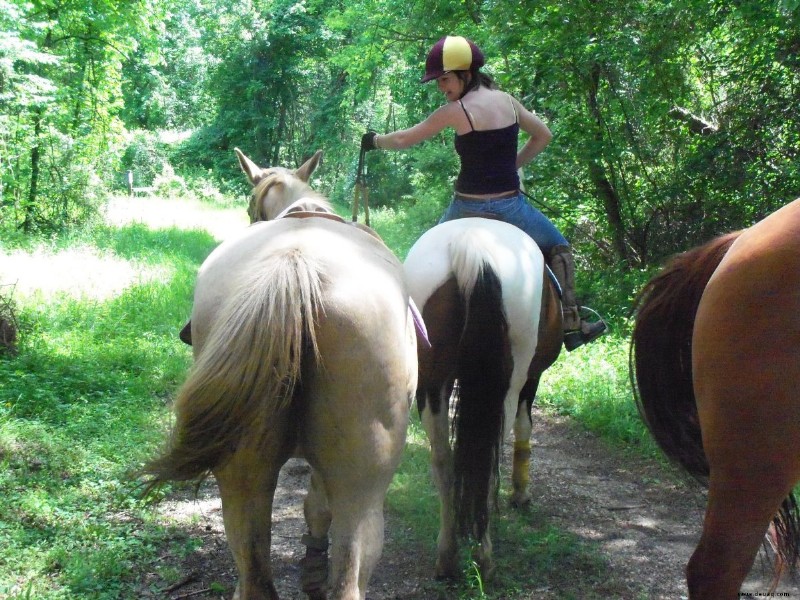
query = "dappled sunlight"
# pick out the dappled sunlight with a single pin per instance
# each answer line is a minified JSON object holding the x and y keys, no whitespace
{"x":77,"y":272}
{"x":183,"y":213}
{"x":86,"y":272}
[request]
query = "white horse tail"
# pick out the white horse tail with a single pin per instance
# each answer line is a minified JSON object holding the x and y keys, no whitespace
{"x":246,"y":372}
{"x":483,"y":371}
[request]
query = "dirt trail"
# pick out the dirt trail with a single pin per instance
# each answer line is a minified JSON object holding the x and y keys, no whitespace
{"x":644,"y":520}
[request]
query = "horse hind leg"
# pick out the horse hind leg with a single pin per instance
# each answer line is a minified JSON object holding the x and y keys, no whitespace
{"x":314,"y":567}
{"x":435,"y":419}
{"x":247,"y":485}
{"x":355,"y":495}
{"x":482,"y":555}
{"x":737,"y":517}
{"x":354,"y":453}
{"x":521,"y":460}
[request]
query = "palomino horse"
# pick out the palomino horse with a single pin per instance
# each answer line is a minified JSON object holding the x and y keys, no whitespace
{"x":715,"y":360}
{"x":494,"y":323}
{"x":304,"y":345}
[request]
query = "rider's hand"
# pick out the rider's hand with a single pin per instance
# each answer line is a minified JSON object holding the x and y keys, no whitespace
{"x":368,"y":141}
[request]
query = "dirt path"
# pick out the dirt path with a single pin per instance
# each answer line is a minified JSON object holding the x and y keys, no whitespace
{"x":644,"y":521}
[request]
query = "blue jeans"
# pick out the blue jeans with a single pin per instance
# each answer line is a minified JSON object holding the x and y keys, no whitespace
{"x":514,"y":210}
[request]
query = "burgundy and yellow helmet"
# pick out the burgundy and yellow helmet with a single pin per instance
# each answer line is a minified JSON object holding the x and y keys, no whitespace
{"x":452,"y":53}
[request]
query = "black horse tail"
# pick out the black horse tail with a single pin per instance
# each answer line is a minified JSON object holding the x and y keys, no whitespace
{"x":483,"y":371}
{"x":660,"y":360}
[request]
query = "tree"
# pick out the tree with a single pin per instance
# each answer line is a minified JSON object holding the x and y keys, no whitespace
{"x":73,"y":51}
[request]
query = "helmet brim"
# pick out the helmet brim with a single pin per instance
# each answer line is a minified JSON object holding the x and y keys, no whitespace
{"x":430,"y":76}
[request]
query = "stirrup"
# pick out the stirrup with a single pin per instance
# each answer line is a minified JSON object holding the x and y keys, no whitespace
{"x":578,"y":337}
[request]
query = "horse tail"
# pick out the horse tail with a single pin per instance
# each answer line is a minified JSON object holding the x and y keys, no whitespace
{"x":660,"y":360}
{"x":245,"y":375}
{"x":483,"y":370}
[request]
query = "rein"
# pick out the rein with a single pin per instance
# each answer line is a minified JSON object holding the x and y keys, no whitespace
{"x":550,"y":209}
{"x":360,"y":190}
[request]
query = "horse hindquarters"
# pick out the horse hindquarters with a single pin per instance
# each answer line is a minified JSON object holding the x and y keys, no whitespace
{"x":744,"y":357}
{"x":233,"y":413}
{"x":355,"y":417}
{"x":727,"y":364}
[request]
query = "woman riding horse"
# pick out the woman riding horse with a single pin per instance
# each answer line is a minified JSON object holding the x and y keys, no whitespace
{"x":487,"y":123}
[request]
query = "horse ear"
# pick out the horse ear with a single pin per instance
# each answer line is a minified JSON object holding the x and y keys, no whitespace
{"x":304,"y":172}
{"x":250,"y":168}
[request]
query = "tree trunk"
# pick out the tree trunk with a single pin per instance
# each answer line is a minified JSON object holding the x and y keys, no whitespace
{"x":599,"y":176}
{"x":29,"y":207}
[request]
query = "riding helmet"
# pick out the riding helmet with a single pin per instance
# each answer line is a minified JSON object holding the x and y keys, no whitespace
{"x":452,"y":53}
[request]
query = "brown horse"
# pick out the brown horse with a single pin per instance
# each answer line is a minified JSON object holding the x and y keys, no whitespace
{"x":494,"y":323}
{"x":304,"y":345}
{"x":715,"y":362}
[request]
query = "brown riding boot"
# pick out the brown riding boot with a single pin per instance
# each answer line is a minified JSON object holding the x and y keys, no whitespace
{"x":577,"y":331}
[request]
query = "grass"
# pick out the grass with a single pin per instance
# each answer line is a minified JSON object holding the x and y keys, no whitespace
{"x":591,"y":386}
{"x":86,"y":402}
{"x":80,"y":408}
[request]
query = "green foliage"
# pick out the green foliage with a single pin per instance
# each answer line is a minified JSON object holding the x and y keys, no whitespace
{"x":145,"y":156}
{"x":59,"y":97}
{"x":592,"y":386}
{"x":673,"y":122}
{"x":80,"y":407}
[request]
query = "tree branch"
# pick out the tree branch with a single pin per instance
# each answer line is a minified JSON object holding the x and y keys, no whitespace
{"x":696,"y":124}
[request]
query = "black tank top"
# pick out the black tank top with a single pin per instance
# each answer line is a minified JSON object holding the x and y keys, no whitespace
{"x":488,"y":159}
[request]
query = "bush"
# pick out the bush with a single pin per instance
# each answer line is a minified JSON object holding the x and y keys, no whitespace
{"x":145,"y":157}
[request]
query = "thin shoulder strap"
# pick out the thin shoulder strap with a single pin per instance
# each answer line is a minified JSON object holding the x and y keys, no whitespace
{"x":472,"y":126}
{"x":514,"y":108}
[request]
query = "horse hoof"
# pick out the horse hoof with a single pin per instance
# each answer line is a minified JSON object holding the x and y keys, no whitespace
{"x":520,"y":500}
{"x":446,"y":571}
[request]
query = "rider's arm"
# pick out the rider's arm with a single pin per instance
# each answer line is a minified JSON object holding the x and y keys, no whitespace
{"x":534,"y":127}
{"x":405,"y":138}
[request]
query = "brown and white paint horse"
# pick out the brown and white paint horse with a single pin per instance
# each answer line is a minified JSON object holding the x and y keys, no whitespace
{"x":494,"y":323}
{"x":304,"y":345}
{"x":715,"y":363}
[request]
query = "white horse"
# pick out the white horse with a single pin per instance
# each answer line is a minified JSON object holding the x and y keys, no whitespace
{"x":494,"y":321}
{"x":304,"y":345}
